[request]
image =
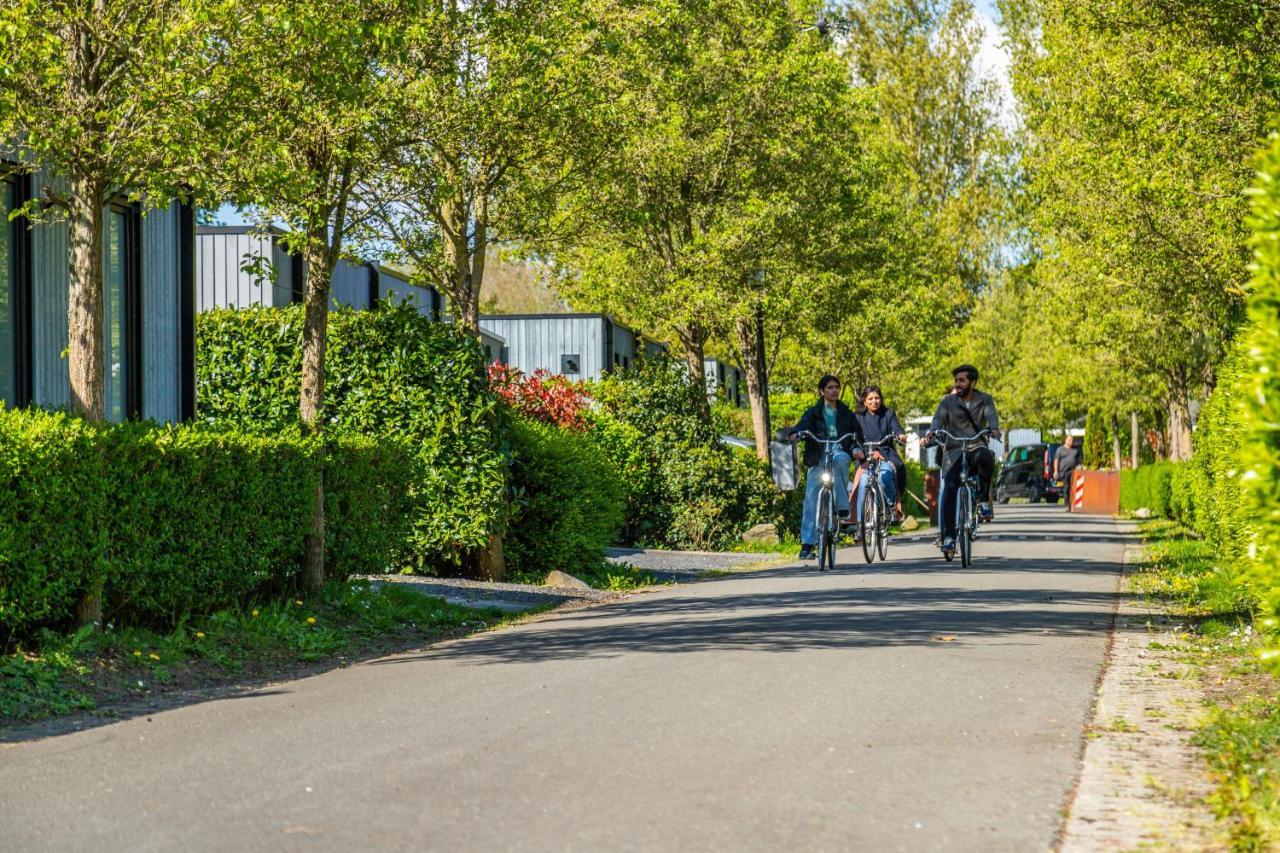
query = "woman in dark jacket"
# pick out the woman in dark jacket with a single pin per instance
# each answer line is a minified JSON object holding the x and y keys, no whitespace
{"x":878,"y":421}
{"x":827,"y":418}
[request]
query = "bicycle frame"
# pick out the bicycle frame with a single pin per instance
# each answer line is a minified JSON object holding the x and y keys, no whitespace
{"x":966,"y":517}
{"x":828,"y":523}
{"x":875,"y":506}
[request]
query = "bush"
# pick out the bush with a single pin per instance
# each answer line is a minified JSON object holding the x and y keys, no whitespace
{"x":1148,"y":486}
{"x":391,"y":374}
{"x":173,"y":520}
{"x":683,"y":487}
{"x":568,"y":502}
{"x":1260,"y":392}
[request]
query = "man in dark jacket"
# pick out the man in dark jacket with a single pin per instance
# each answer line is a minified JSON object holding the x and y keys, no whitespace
{"x":828,"y":418}
{"x":964,"y":412}
{"x":1064,"y":463}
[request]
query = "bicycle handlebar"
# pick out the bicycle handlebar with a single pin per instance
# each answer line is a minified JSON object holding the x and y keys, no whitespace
{"x":961,"y":439}
{"x":804,"y":433}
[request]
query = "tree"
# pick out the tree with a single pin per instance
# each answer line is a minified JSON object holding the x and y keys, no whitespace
{"x":95,"y":92}
{"x":311,"y":110}
{"x":1141,"y":118}
{"x":508,"y":112}
{"x":98,"y":92}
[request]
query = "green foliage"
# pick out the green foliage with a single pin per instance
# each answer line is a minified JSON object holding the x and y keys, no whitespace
{"x":175,"y":519}
{"x":1148,"y":486}
{"x":1242,"y":745}
{"x":568,"y":502}
{"x":392,"y":375}
{"x":683,"y":487}
{"x":1097,"y":443}
{"x":1259,"y":394}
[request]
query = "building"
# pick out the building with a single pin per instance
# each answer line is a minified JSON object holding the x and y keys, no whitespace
{"x":722,"y":376}
{"x":148,"y":306}
{"x":240,"y":266}
{"x":494,"y":347}
{"x":577,"y":346}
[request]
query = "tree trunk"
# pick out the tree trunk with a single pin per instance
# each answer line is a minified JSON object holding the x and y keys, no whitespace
{"x":1115,"y":443}
{"x":84,"y":301}
{"x":1135,"y":439}
{"x":315,"y":334}
{"x":751,"y":348}
{"x":694,"y":339}
{"x":1180,"y":443}
{"x":457,"y":257}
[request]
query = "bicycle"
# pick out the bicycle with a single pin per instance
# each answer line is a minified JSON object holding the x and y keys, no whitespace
{"x":875,"y":506}
{"x":966,"y":517}
{"x":827,"y":521}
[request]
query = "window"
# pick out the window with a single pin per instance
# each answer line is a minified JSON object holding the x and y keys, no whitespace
{"x":569,"y":365}
{"x":8,"y":299}
{"x":121,"y":327}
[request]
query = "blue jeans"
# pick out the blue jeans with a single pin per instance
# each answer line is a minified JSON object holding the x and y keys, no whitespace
{"x":888,"y":482}
{"x":813,"y":484}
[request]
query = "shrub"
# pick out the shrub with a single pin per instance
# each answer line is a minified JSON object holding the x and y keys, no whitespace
{"x":684,"y":489}
{"x":391,"y":374}
{"x":1148,"y":486}
{"x":568,"y":505}
{"x":541,"y":396}
{"x":1260,"y":391}
{"x":174,"y":520}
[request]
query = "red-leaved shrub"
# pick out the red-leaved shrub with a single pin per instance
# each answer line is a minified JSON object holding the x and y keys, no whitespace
{"x":541,"y":396}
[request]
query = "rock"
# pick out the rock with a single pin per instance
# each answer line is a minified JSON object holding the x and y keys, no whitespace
{"x":1142,"y":512}
{"x":763,"y":533}
{"x":564,"y":580}
{"x":910,"y":523}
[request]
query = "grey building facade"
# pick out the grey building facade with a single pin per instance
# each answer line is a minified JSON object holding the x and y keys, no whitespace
{"x":577,"y":346}
{"x":241,"y":266}
{"x":148,"y":306}
{"x":722,"y":376}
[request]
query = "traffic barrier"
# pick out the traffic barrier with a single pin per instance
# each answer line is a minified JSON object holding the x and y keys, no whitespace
{"x":1095,"y":492}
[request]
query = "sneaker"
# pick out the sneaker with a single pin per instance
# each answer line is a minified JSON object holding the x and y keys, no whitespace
{"x":949,"y":543}
{"x":807,"y":552}
{"x":984,"y":512}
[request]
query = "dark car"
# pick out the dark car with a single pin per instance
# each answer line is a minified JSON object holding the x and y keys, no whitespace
{"x":1026,"y":473}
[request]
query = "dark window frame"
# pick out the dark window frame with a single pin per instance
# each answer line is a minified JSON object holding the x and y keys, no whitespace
{"x":22,"y":295}
{"x":132,"y":300}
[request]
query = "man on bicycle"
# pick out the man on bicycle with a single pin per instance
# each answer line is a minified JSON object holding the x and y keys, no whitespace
{"x":827,"y":418}
{"x":965,"y":411}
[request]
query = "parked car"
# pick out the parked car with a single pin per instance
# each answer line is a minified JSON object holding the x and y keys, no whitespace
{"x":1026,"y":473}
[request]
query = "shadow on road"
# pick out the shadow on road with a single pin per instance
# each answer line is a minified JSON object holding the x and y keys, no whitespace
{"x":850,"y":617}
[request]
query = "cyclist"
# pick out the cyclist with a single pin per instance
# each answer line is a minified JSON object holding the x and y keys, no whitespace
{"x":829,"y":418}
{"x":878,"y":421}
{"x":964,"y":411}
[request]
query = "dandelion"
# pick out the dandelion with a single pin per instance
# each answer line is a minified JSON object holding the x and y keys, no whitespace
{"x":255,"y":614}
{"x":199,"y":635}
{"x":137,"y":653}
{"x":154,"y":656}
{"x":298,"y":601}
{"x":311,"y":620}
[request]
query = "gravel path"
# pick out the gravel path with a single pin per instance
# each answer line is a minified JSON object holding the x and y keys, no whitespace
{"x":687,"y":565}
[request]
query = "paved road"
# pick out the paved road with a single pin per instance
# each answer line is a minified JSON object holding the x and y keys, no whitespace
{"x":781,"y":710}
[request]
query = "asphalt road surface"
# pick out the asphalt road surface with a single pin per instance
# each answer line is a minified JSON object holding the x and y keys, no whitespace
{"x":907,"y":705}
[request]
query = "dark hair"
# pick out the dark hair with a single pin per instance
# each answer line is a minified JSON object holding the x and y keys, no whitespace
{"x":862,"y":399}
{"x":966,"y":368}
{"x":826,"y":380}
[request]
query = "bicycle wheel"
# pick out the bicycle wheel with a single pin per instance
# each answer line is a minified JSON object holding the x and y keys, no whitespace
{"x":964,"y":510}
{"x":870,"y":523}
{"x":882,"y":541}
{"x":824,"y":528}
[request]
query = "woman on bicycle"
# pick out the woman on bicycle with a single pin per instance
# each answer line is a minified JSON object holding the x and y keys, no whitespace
{"x":827,"y":418}
{"x":879,"y":422}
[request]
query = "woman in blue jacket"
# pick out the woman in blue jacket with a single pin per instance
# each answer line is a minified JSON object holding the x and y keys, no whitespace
{"x":878,"y":421}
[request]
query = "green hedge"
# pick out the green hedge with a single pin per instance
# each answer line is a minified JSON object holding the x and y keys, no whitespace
{"x":1149,"y":487}
{"x":391,"y":374}
{"x":174,"y":520}
{"x":683,"y":488}
{"x":568,"y":502}
{"x":1259,"y":384}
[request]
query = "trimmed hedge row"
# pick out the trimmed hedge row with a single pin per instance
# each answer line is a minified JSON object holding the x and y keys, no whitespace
{"x":568,"y":502}
{"x":176,"y":519}
{"x":391,"y":373}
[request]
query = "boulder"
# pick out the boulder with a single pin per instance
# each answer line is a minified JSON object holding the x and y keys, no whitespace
{"x":564,"y":580}
{"x":1142,"y":512}
{"x":766,"y":534}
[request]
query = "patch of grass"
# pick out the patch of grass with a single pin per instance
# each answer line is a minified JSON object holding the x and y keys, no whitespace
{"x":61,"y":674}
{"x":1241,"y":732}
